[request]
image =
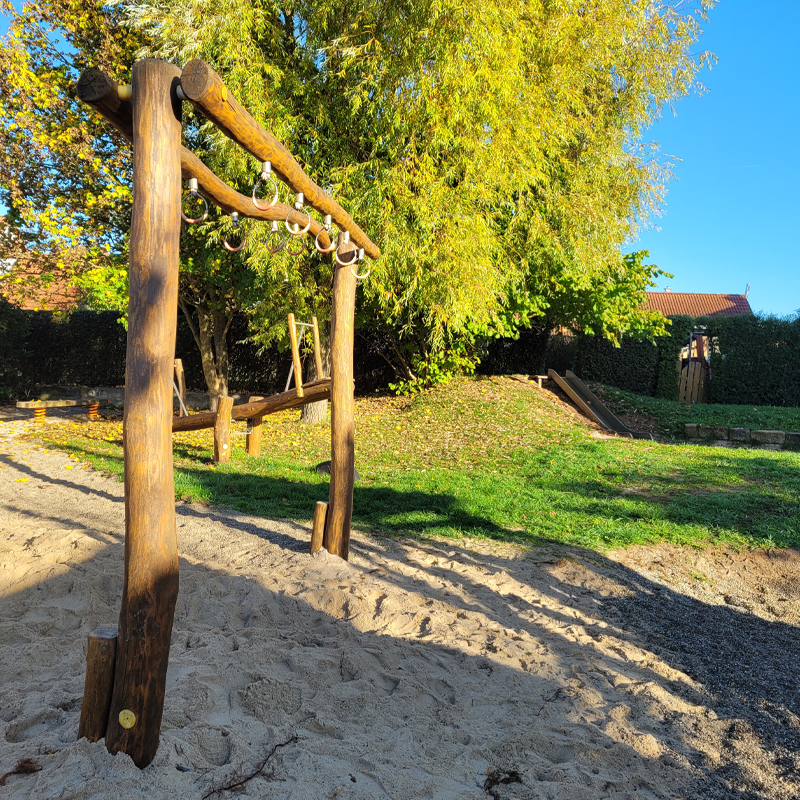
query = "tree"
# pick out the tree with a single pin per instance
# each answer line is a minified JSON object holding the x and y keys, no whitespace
{"x":495,"y":153}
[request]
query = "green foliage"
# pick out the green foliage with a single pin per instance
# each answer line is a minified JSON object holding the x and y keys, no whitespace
{"x":632,"y":366}
{"x":14,"y":331}
{"x":755,"y":361}
{"x":669,"y":351}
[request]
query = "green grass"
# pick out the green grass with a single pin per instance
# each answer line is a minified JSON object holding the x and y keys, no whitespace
{"x":489,"y":458}
{"x":670,"y":416}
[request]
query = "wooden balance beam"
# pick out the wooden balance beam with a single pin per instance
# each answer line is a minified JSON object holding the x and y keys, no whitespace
{"x":255,"y":410}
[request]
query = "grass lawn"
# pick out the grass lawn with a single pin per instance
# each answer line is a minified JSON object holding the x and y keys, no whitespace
{"x":492,"y":458}
{"x":671,"y":416}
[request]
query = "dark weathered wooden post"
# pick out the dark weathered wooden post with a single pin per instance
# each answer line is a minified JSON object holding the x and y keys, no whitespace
{"x":151,"y":557}
{"x":101,"y":656}
{"x":340,"y":502}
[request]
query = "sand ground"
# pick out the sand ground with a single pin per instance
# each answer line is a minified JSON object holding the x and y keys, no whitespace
{"x":436,"y":669}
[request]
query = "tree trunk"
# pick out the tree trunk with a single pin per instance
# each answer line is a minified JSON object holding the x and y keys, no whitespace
{"x":315,"y":413}
{"x":211,"y":337}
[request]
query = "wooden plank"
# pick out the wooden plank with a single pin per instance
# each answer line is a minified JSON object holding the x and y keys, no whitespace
{"x":151,"y":556}
{"x":59,"y":403}
{"x":340,"y":502}
{"x":209,"y":95}
{"x":694,"y":380}
{"x":317,"y":349}
{"x":222,"y":430}
{"x":101,"y":656}
{"x":318,"y":527}
{"x":683,"y":383}
{"x":312,"y":393}
{"x":101,"y":92}
{"x":298,"y":367}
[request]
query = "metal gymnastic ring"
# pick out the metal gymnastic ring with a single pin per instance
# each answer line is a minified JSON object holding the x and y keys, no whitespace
{"x":297,"y":231}
{"x":361,"y":258}
{"x":324,"y":249}
{"x":296,"y":252}
{"x":194,"y":193}
{"x":275,"y":232}
{"x":266,"y":175}
{"x":226,"y":244}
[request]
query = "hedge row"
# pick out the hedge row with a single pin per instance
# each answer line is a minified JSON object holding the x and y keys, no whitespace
{"x":87,"y":348}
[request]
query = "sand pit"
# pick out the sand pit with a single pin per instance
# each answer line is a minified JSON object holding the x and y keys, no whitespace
{"x":437,"y":669}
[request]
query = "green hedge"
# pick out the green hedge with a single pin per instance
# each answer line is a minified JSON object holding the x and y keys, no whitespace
{"x":755,"y":360}
{"x":87,"y":348}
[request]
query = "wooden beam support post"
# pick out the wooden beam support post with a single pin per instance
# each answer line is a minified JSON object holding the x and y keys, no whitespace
{"x":298,"y":367}
{"x":253,"y":439}
{"x":340,"y":511}
{"x":318,"y":528}
{"x":180,"y":382}
{"x":222,"y":430}
{"x":151,"y":554}
{"x":101,"y":656}
{"x":317,"y":349}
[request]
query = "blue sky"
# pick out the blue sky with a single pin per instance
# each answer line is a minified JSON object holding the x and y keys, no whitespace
{"x":733,"y":214}
{"x":733,"y":210}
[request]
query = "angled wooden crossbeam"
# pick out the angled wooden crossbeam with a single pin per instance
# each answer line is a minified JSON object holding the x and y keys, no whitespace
{"x":101,"y":92}
{"x":205,"y":90}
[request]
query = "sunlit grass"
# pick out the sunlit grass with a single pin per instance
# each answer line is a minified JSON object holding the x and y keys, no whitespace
{"x":490,"y":458}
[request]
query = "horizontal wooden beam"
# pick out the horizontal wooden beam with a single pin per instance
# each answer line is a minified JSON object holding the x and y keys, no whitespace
{"x":205,"y":90}
{"x":101,"y":92}
{"x":312,"y":393}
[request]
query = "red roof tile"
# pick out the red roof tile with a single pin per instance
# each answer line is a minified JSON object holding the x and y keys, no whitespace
{"x":694,"y":304}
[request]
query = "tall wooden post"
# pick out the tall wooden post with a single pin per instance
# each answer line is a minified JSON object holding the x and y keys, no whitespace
{"x":151,"y":558}
{"x":340,"y":503}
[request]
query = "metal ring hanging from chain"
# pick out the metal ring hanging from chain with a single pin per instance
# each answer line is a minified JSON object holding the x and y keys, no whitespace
{"x":266,"y":175}
{"x":360,"y":258}
{"x":231,"y":248}
{"x":345,"y":240}
{"x":299,"y":206}
{"x":326,"y":225}
{"x":275,"y":232}
{"x":193,"y":193}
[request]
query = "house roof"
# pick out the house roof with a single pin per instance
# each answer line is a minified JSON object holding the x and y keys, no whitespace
{"x":694,"y":304}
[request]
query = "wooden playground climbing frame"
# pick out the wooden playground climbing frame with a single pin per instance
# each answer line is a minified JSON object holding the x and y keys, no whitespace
{"x":148,"y":114}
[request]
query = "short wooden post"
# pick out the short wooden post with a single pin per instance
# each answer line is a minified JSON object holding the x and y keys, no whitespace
{"x":318,"y":528}
{"x":298,"y":367}
{"x":180,"y":382}
{"x":151,"y":553}
{"x":253,"y":438}
{"x":340,"y":512}
{"x":222,"y":430}
{"x":317,"y":349}
{"x":98,"y":686}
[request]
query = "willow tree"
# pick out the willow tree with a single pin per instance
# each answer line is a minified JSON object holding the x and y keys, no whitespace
{"x":495,"y":152}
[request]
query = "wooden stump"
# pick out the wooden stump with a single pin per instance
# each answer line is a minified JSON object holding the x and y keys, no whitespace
{"x":222,"y":430}
{"x":340,"y":511}
{"x":151,"y":555}
{"x":101,"y":656}
{"x":253,"y":438}
{"x":318,"y":528}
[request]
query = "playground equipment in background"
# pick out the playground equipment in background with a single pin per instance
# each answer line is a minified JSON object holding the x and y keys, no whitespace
{"x":148,"y":115}
{"x":694,"y":371}
{"x":40,"y":407}
{"x":259,"y":407}
{"x":591,"y":406}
